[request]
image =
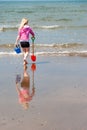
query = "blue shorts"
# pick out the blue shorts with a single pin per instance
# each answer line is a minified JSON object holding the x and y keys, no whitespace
{"x":24,"y":44}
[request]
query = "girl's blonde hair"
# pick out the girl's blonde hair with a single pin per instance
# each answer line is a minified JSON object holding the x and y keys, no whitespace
{"x":24,"y":21}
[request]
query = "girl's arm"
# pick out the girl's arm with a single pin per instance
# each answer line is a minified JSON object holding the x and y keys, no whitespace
{"x":32,"y":33}
{"x":17,"y":88}
{"x":17,"y":39}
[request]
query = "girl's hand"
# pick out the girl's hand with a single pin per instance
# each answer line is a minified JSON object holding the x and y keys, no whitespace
{"x":16,"y":44}
{"x":33,"y":38}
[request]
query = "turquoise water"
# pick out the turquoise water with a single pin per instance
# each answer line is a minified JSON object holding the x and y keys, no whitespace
{"x":60,"y":27}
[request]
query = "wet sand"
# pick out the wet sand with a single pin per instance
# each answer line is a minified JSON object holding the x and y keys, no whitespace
{"x":60,"y":98}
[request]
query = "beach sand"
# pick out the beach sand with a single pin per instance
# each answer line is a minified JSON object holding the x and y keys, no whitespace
{"x":60,"y":99}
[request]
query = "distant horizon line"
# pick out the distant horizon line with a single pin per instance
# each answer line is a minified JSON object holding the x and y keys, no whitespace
{"x":47,"y":0}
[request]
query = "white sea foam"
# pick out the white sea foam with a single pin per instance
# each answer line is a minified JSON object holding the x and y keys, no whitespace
{"x":9,"y":53}
{"x":49,"y":26}
{"x":49,"y":53}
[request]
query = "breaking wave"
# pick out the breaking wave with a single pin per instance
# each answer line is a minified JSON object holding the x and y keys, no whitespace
{"x":48,"y":27}
{"x":66,"y":49}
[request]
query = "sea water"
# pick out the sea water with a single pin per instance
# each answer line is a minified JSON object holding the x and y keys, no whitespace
{"x":60,"y":27}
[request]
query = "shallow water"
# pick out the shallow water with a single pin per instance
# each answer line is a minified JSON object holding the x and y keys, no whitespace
{"x":60,"y":27}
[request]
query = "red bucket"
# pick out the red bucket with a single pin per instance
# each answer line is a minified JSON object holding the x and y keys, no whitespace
{"x":33,"y":57}
{"x":33,"y":67}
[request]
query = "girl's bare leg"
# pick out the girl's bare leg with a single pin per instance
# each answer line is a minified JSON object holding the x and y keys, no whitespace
{"x":25,"y":53}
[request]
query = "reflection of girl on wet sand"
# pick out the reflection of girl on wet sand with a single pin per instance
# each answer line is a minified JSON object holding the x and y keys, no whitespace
{"x":23,"y":90}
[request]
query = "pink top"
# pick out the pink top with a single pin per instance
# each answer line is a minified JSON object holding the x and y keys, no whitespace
{"x":25,"y":32}
{"x":24,"y":96}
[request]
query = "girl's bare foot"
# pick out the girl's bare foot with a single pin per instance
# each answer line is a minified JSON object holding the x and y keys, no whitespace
{"x":25,"y":62}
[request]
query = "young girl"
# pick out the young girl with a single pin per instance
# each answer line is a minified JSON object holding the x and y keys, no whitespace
{"x":24,"y":32}
{"x":25,"y":94}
